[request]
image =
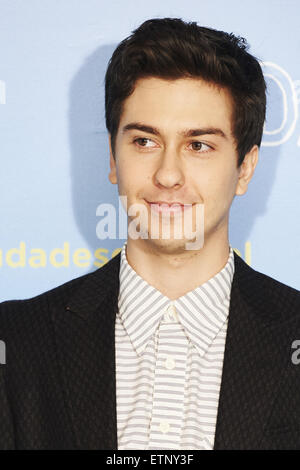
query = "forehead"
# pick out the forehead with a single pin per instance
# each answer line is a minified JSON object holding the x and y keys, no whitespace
{"x":180,"y":103}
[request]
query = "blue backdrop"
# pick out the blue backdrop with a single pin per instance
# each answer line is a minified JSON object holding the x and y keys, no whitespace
{"x":53,"y":141}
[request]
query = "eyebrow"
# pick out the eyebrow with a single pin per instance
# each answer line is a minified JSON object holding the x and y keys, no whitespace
{"x":184,"y":133}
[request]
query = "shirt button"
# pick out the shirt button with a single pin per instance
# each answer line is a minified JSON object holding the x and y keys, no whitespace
{"x":164,"y":426}
{"x":169,"y":363}
{"x":171,"y":312}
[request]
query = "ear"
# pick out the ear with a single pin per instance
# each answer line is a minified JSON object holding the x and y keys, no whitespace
{"x":246,"y":170}
{"x":113,"y":169}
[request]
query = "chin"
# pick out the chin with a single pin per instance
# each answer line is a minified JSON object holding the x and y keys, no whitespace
{"x":168,"y":246}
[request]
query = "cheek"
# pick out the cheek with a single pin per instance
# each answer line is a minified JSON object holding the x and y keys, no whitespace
{"x":218,"y":189}
{"x":131,"y":178}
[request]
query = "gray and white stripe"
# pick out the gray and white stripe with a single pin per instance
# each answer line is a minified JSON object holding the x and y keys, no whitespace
{"x":169,"y":360}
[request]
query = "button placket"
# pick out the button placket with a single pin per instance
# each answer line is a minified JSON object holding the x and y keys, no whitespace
{"x":169,"y":382}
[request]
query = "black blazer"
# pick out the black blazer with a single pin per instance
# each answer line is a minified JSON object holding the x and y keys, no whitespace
{"x":58,"y":387}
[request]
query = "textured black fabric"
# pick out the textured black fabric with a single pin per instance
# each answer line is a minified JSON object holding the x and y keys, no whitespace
{"x":58,"y":388}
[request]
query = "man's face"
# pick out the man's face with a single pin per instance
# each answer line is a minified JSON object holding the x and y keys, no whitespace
{"x":175,"y":144}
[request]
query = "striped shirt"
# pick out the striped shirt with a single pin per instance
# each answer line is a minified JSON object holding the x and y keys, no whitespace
{"x":169,"y":360}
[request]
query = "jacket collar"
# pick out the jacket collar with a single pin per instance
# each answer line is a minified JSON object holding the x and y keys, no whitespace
{"x":96,"y":288}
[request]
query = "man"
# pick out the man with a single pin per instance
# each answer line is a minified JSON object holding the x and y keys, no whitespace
{"x":172,"y":344}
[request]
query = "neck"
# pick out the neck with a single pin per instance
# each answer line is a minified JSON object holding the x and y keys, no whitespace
{"x":174,"y":272}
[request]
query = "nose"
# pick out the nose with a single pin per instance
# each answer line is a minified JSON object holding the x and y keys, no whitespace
{"x":169,"y":173}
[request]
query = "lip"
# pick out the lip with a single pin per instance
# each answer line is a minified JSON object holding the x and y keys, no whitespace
{"x":164,"y":207}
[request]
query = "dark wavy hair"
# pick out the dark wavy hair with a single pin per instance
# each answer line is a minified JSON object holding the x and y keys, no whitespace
{"x":170,"y":48}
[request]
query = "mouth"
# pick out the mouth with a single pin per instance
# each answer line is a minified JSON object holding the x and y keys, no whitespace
{"x":162,"y":207}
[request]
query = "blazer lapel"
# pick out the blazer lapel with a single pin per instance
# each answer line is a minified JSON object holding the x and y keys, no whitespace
{"x":85,"y":336}
{"x":258,"y":348}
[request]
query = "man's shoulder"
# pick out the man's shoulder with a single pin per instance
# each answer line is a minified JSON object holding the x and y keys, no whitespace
{"x":278,"y":290}
{"x":24,"y":310}
{"x":259,"y":288}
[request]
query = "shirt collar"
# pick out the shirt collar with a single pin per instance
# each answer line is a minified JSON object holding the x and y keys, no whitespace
{"x":202,"y":311}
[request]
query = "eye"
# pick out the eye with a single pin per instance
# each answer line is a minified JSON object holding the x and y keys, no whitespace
{"x":142,"y":142}
{"x":200,"y":147}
